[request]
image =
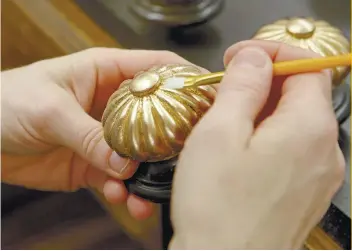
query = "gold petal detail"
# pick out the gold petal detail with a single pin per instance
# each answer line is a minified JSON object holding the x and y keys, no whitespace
{"x":153,"y":126}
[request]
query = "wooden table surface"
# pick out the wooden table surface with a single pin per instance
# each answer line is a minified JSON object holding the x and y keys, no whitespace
{"x":51,"y":28}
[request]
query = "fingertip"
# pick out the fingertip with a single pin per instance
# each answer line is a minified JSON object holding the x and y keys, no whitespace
{"x":115,"y":191}
{"x":244,"y":89}
{"x":228,"y":55}
{"x":248,"y":72}
{"x":121,"y":168}
{"x":139,"y":208}
{"x":253,"y":56}
{"x":130,"y":171}
{"x":232,"y":50}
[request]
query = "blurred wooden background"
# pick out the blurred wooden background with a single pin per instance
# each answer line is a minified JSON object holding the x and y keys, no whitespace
{"x":33,"y":30}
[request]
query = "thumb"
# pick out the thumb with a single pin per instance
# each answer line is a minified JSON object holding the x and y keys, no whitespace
{"x":247,"y":83}
{"x":244,"y":90}
{"x":84,"y":135}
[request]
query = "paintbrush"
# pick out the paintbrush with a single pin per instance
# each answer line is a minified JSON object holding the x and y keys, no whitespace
{"x":279,"y":69}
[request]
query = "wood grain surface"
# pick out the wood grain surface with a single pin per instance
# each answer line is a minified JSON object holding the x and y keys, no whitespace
{"x":51,"y":28}
{"x":46,"y":29}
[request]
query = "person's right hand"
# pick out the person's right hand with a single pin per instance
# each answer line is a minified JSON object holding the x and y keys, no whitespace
{"x":260,"y":169}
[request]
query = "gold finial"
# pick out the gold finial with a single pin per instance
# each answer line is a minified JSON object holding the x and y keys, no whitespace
{"x":144,"y":84}
{"x":146,"y":121}
{"x":307,"y":33}
{"x":300,"y":28}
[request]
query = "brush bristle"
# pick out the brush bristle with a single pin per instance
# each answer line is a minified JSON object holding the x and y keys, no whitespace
{"x":175,"y":83}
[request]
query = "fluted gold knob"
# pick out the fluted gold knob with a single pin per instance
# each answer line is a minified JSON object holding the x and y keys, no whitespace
{"x":316,"y":35}
{"x":148,"y":122}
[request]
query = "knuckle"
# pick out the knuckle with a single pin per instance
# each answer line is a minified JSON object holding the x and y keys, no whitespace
{"x":173,"y":57}
{"x":169,"y":54}
{"x":228,"y":55}
{"x":332,"y":129}
{"x":233,"y":49}
{"x":336,"y":177}
{"x":318,"y":120}
{"x":95,"y":50}
{"x":327,"y":127}
{"x":340,"y":173}
{"x":340,"y":169}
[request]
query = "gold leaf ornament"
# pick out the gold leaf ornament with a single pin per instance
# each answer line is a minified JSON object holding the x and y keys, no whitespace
{"x":316,"y":35}
{"x":147,"y":122}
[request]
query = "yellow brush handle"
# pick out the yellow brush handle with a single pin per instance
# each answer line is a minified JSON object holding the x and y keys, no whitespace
{"x":310,"y":65}
{"x":281,"y":68}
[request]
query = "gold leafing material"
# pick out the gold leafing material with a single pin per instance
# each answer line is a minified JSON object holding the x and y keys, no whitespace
{"x":316,"y":35}
{"x":148,"y":122}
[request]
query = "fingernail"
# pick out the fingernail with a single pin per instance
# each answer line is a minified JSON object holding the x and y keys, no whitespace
{"x":250,"y":57}
{"x":118,"y":164}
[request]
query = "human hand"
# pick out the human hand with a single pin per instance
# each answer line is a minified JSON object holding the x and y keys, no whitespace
{"x":52,"y":138}
{"x":261,"y":167}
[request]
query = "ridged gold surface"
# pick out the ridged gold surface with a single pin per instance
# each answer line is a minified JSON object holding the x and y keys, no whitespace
{"x":147,"y":122}
{"x":316,"y":35}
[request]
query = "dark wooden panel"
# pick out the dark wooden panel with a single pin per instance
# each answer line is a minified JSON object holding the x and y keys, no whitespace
{"x":22,"y":42}
{"x":38,"y":29}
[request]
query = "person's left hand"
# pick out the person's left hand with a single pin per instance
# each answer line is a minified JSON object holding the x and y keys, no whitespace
{"x":52,"y":138}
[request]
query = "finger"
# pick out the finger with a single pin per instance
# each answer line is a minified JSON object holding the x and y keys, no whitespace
{"x":114,"y":65}
{"x":92,"y":178}
{"x":84,"y":135}
{"x":303,"y":113}
{"x":104,"y":69}
{"x":244,"y":89}
{"x":115,"y":191}
{"x":305,"y":95}
{"x":340,"y":170}
{"x":278,"y":52}
{"x":130,"y":62}
{"x":308,"y":87}
{"x":139,"y":208}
